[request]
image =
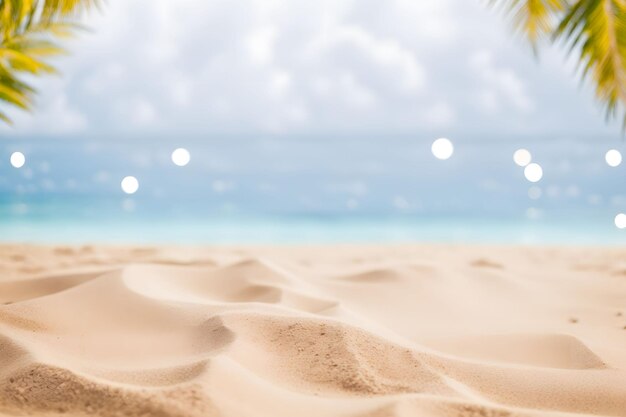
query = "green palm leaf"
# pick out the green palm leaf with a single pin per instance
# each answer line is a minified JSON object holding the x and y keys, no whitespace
{"x":27,"y":32}
{"x":596,"y":30}
{"x":535,"y":19}
{"x":593,"y":29}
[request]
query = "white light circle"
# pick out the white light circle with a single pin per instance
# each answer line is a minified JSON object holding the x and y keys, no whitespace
{"x":18,"y":159}
{"x":620,"y":221}
{"x":522,"y":157}
{"x":181,"y":157}
{"x":534,"y":193}
{"x":442,"y":148}
{"x":613,"y":158}
{"x":533,"y":213}
{"x":128,"y":205}
{"x":130,"y":185}
{"x":533,"y":172}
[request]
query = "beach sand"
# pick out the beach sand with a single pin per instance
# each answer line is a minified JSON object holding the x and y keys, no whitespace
{"x":370,"y":331}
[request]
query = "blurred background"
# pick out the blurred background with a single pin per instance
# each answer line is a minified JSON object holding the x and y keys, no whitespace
{"x":305,"y":122}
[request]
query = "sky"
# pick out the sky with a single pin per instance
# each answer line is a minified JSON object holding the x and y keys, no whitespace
{"x":294,"y":67}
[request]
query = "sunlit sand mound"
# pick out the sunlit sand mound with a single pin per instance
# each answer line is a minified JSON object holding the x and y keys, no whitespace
{"x":549,"y":350}
{"x":346,"y":332}
{"x":375,"y":276}
{"x":321,"y":356}
{"x":12,"y":291}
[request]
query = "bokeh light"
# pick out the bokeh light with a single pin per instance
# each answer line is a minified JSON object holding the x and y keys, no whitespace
{"x":18,"y":159}
{"x":613,"y":158}
{"x":534,"y":192}
{"x":130,"y":185}
{"x":442,"y":148}
{"x":620,"y":221}
{"x":128,"y":205}
{"x":533,"y":172}
{"x":181,"y":157}
{"x":533,"y":213}
{"x":522,"y":157}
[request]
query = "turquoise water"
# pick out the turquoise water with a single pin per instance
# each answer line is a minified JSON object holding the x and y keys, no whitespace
{"x":118,"y":223}
{"x":311,"y":190}
{"x":310,"y":230}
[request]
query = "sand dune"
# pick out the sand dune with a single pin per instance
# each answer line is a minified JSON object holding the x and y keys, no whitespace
{"x":400,"y":331}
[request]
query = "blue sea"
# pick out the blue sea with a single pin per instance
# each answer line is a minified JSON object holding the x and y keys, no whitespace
{"x":275,"y":189}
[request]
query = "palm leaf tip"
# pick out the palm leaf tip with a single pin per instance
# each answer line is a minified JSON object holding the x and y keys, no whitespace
{"x":535,"y":19}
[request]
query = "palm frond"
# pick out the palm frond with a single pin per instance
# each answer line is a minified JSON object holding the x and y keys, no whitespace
{"x":14,"y":91}
{"x":5,"y":118}
{"x":596,"y":30}
{"x":535,"y":19}
{"x":27,"y":32}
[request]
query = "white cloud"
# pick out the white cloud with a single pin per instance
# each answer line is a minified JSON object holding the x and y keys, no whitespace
{"x":181,"y":90}
{"x":104,"y":78}
{"x":487,"y":100}
{"x":387,"y":57}
{"x":293,"y":66}
{"x":140,"y":111}
{"x":280,"y":83}
{"x":268,"y":66}
{"x":58,"y":117}
{"x":434,"y":20}
{"x":260,"y":45}
{"x":513,"y":88}
{"x":353,"y":92}
{"x":53,"y":115}
{"x":440,"y":114}
{"x":499,"y":84}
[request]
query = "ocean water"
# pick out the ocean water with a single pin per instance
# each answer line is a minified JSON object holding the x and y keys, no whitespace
{"x":309,"y":230}
{"x":132,"y":221}
{"x":311,"y":190}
